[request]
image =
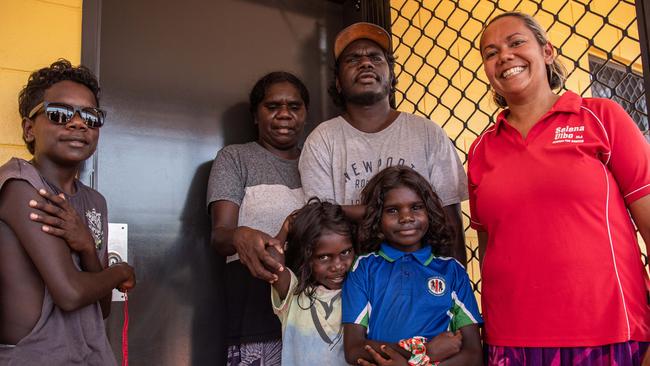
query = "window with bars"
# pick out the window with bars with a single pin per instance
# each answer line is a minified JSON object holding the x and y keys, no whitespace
{"x":611,"y":80}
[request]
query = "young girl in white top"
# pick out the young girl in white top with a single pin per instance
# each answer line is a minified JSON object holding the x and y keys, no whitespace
{"x":307,"y":295}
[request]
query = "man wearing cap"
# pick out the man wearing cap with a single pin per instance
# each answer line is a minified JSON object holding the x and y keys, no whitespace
{"x":342,"y":154}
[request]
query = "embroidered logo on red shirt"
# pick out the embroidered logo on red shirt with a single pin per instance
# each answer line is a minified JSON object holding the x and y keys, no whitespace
{"x":570,"y":134}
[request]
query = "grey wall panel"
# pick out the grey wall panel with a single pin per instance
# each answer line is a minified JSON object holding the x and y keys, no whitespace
{"x":175,"y":77}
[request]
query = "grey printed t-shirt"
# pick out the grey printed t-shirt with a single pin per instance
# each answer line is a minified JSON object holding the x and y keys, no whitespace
{"x":338,"y":160}
{"x":267,"y":189}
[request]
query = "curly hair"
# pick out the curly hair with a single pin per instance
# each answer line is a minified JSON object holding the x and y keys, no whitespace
{"x":438,"y":236}
{"x":41,"y":80}
{"x":338,"y":98}
{"x":262,"y":85}
{"x":556,"y":73}
{"x":308,"y":224}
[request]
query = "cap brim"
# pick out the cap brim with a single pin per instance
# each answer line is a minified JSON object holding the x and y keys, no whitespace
{"x":358,"y":31}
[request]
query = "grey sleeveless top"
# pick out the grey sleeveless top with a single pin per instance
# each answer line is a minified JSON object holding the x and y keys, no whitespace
{"x":59,"y":337}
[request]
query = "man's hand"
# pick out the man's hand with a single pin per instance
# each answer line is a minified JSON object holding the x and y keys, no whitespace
{"x":444,"y":345}
{"x":60,"y":219}
{"x":251,"y":247}
{"x":394,"y":358}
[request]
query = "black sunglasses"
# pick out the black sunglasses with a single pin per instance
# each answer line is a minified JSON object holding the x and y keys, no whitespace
{"x":61,"y":113}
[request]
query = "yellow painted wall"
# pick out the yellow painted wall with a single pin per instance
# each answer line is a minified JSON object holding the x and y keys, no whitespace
{"x":436,"y":46}
{"x":33,"y":34}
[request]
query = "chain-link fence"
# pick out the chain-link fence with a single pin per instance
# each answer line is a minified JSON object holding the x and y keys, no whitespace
{"x":440,"y":74}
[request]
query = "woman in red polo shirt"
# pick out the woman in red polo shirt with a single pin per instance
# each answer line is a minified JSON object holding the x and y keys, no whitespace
{"x":551,"y":183}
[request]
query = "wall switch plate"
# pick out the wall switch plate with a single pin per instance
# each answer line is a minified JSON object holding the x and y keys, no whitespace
{"x":118,"y":249}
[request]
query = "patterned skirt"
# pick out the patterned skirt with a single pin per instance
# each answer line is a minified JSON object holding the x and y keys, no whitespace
{"x":619,"y":354}
{"x":255,"y":354}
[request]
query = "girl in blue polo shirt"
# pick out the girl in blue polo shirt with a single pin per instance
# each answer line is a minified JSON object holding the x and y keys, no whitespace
{"x":405,"y":293}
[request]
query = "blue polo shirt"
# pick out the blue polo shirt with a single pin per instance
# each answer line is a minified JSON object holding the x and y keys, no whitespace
{"x":398,"y":295}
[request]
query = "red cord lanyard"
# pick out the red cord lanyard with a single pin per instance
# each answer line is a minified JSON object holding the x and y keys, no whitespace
{"x":125,"y":332}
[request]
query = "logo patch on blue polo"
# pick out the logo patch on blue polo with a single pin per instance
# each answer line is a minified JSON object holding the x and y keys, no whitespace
{"x":437,"y":286}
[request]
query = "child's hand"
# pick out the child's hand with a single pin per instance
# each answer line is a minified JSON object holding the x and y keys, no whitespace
{"x":277,"y":256}
{"x":444,"y":345}
{"x":286,"y":226}
{"x":60,"y":219}
{"x":394,"y":358}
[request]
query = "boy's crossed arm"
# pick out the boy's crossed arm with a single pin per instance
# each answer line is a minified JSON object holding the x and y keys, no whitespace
{"x":60,"y":219}
{"x":70,"y":288}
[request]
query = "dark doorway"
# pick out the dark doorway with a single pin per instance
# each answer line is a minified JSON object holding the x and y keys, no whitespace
{"x":175,"y":77}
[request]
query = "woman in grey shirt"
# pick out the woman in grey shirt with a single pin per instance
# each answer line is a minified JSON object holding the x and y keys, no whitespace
{"x":253,"y":187}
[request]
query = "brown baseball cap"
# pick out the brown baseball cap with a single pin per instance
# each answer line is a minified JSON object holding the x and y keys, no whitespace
{"x":361,"y":30}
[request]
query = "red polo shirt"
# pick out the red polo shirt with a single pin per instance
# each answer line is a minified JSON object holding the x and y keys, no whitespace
{"x":562,"y":266}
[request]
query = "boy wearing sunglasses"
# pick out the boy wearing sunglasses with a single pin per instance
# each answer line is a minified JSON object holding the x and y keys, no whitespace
{"x":55,"y":287}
